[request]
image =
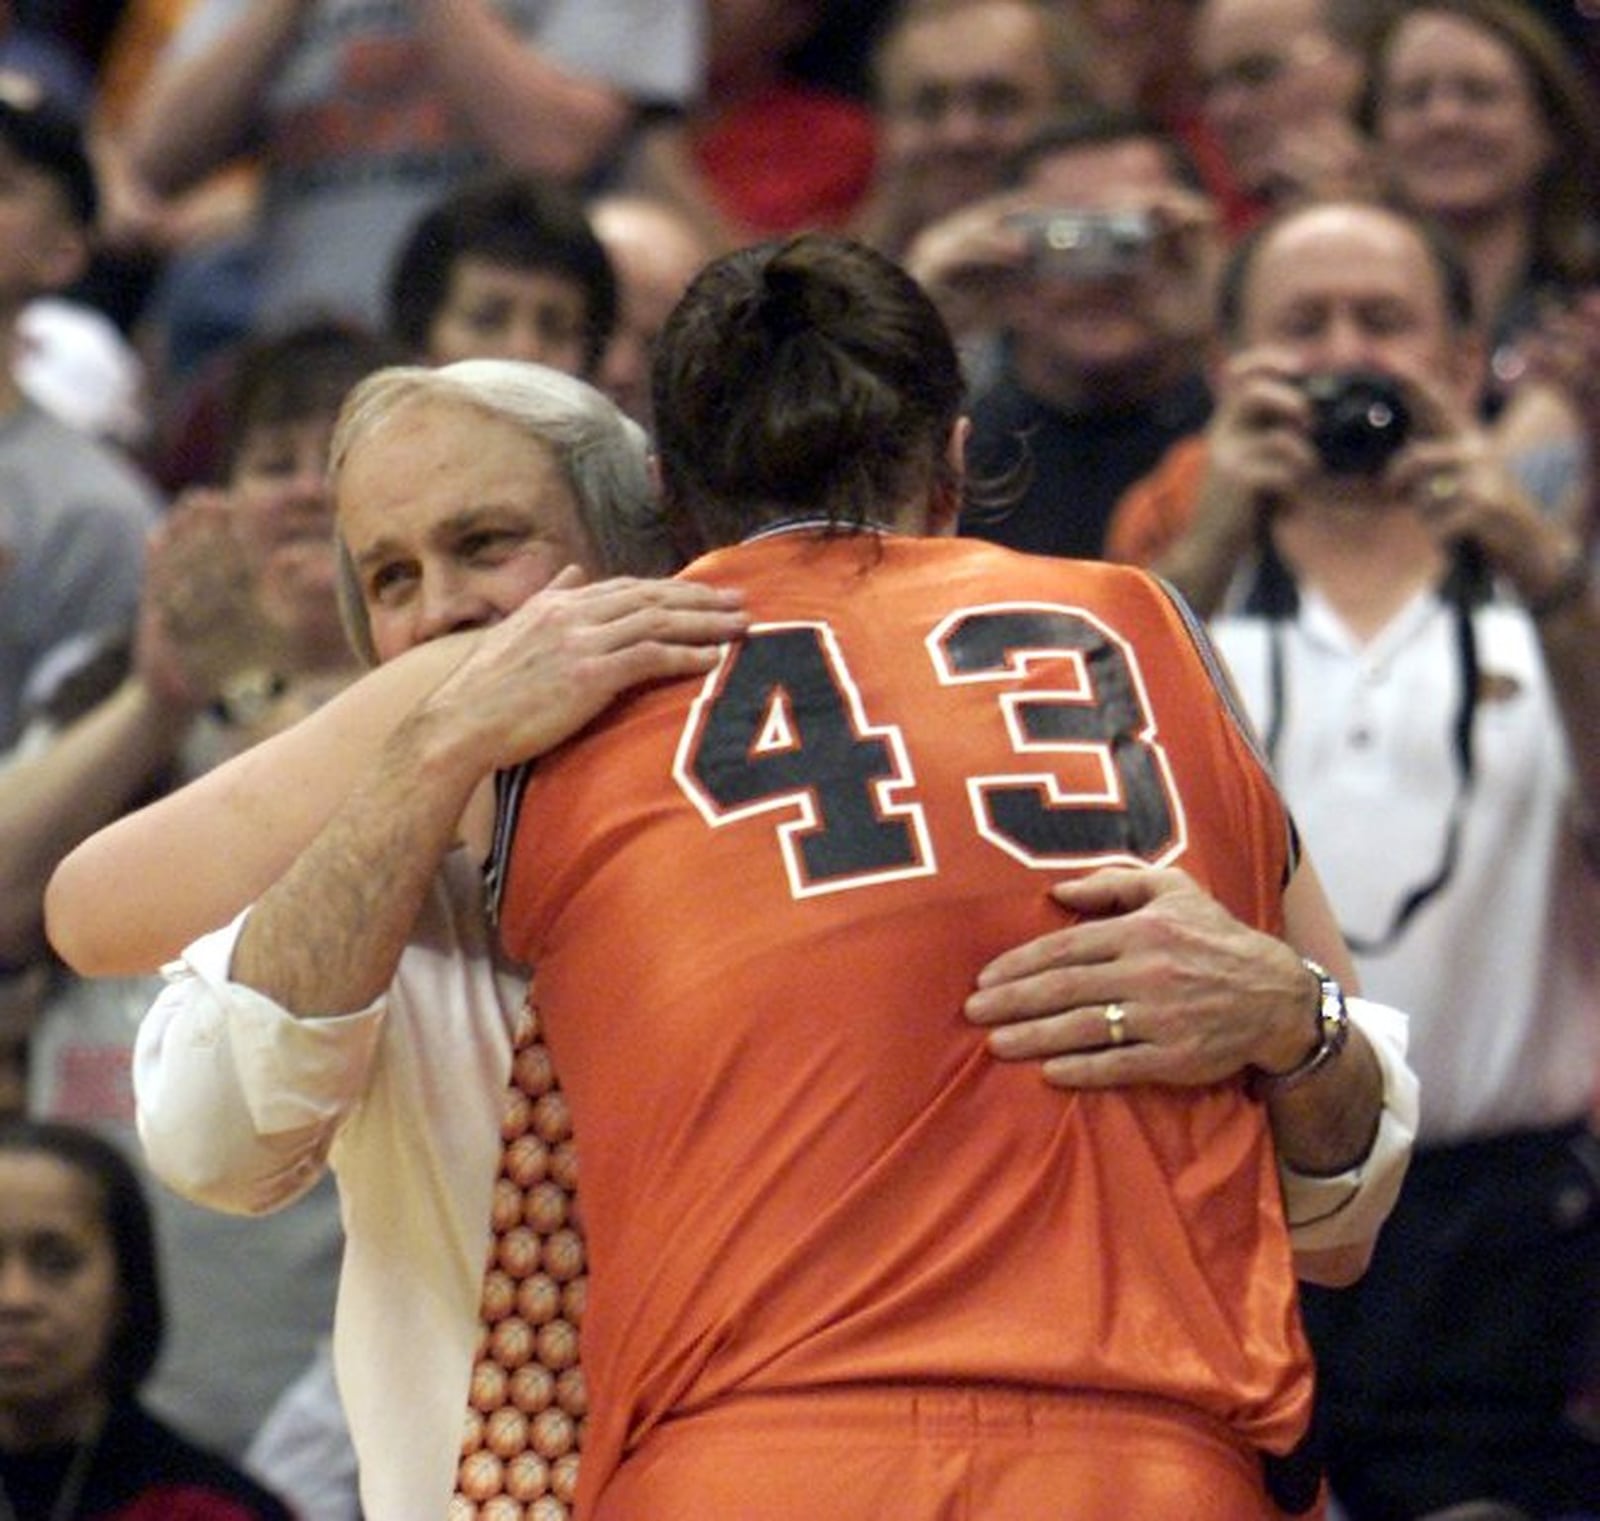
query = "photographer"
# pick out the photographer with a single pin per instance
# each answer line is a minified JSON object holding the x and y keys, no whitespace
{"x":1094,"y":271}
{"x":1420,"y":647}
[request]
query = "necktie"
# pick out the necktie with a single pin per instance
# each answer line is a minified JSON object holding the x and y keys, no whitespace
{"x":524,"y":1423}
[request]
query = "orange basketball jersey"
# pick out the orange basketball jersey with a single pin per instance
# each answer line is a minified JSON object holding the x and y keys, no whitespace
{"x":755,"y":904}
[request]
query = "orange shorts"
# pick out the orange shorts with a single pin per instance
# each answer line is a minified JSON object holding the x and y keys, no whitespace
{"x":941,"y":1455}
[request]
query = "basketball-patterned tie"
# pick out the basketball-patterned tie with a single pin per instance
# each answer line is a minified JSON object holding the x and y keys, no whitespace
{"x":524,"y":1422}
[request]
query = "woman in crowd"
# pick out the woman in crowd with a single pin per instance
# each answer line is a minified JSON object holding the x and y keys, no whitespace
{"x":1485,"y":124}
{"x":81,"y":1325}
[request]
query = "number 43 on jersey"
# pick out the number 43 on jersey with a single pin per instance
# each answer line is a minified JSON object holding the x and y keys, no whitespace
{"x":780,"y":729}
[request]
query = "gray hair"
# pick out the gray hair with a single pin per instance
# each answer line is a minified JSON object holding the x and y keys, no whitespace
{"x":603,"y":456}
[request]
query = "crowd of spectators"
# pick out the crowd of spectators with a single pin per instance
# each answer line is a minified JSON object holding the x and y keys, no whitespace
{"x":216,"y":215}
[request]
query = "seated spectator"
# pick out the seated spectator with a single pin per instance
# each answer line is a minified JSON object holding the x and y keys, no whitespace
{"x":505,"y":267}
{"x":80,"y":1300}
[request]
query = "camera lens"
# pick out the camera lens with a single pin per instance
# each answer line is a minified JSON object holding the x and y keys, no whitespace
{"x":1359,"y":421}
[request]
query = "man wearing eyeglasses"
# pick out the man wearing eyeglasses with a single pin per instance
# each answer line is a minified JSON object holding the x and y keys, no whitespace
{"x":1420,"y":648}
{"x":1278,"y":83}
{"x":959,"y":86}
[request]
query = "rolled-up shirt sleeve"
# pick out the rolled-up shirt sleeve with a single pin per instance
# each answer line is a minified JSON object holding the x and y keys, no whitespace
{"x":1347,"y":1209}
{"x":238,"y":1100}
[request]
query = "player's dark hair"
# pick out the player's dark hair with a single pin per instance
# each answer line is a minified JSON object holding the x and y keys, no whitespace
{"x":805,"y":377}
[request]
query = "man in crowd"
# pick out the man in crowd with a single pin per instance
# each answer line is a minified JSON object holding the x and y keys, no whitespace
{"x":960,"y":86}
{"x":1420,"y":645}
{"x":1098,"y":269}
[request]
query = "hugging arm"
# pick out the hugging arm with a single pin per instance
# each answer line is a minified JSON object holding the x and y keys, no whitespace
{"x":1206,"y":998}
{"x":133,"y":895}
{"x":326,"y":937}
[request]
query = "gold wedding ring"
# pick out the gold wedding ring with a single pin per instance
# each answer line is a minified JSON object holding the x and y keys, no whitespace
{"x":1116,"y":1020}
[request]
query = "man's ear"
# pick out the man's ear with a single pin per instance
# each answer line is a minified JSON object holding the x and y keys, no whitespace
{"x":944,"y":512}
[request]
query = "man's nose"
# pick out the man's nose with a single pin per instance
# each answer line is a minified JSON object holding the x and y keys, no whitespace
{"x":1345,"y":345}
{"x":449,"y":604}
{"x":18,"y":1287}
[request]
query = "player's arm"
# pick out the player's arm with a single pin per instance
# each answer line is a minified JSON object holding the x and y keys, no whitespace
{"x":134,"y":894}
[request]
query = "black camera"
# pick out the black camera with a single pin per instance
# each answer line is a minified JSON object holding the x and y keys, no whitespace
{"x":1359,"y":420}
{"x":1082,"y":244}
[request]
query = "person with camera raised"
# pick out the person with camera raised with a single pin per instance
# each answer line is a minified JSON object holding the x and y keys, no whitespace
{"x":1094,"y":272}
{"x":1419,"y":645}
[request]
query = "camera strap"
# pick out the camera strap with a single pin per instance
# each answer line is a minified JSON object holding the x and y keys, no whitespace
{"x":1275,"y":598}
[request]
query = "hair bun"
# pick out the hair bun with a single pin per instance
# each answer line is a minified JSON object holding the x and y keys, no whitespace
{"x":785,"y":306}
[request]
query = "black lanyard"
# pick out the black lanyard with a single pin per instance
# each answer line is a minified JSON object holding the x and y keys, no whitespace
{"x":1275,"y":597}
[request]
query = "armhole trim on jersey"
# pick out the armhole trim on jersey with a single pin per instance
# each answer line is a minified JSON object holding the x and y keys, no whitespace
{"x":1233,"y":704}
{"x":509,"y":789}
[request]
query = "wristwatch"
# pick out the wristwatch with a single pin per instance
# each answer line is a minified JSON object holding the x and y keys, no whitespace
{"x":1333,"y":1030}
